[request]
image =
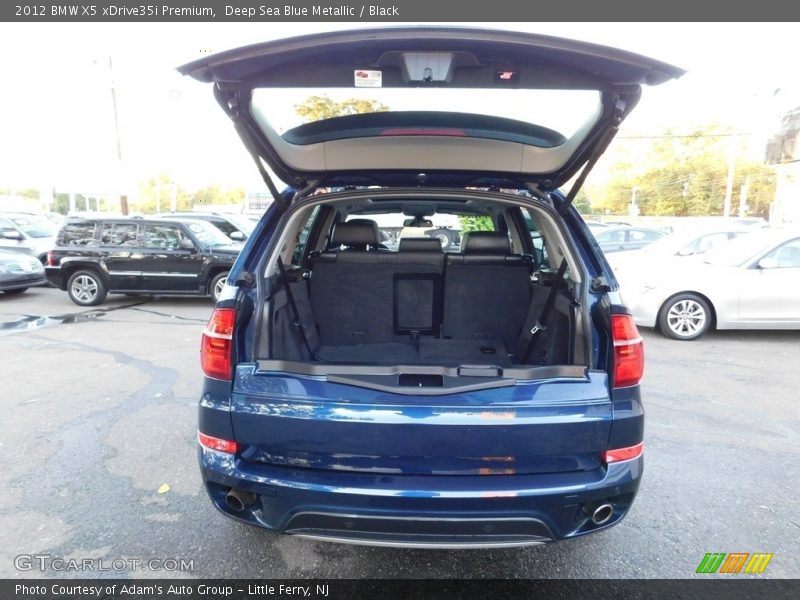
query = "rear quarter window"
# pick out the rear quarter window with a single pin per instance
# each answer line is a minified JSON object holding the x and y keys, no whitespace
{"x":78,"y":234}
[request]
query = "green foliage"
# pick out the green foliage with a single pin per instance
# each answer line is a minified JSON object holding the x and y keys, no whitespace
{"x":31,"y":193}
{"x":476,"y":223}
{"x":686,"y":175}
{"x":582,"y":202}
{"x":316,"y":108}
{"x":213,"y":194}
{"x":156,"y":195}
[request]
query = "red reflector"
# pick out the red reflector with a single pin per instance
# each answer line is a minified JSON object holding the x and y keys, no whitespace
{"x":620,"y":454}
{"x":628,"y":351}
{"x":425,"y":131}
{"x":215,"y":348}
{"x":213,"y":443}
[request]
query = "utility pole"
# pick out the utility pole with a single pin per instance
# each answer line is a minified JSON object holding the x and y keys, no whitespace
{"x":743,"y":197}
{"x":731,"y":170}
{"x":123,"y":199}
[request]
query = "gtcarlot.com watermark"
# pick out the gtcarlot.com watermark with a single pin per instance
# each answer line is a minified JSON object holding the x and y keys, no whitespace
{"x":47,"y":562}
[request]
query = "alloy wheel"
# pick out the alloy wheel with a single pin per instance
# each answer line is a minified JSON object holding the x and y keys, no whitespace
{"x":686,"y":318}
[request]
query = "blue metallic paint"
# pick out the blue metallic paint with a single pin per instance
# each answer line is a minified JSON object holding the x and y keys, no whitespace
{"x":531,"y":450}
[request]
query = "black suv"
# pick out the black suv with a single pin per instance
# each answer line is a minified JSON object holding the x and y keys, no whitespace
{"x":94,"y":256}
{"x":236,"y":227}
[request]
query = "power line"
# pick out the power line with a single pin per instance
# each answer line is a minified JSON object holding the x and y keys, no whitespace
{"x":682,"y":136}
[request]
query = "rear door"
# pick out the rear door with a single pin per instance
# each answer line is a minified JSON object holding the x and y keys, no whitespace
{"x":120,"y":244}
{"x":430,"y":100}
{"x":165,"y":265}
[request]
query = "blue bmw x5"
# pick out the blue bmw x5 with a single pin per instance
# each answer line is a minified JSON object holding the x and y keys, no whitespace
{"x":371,"y":379}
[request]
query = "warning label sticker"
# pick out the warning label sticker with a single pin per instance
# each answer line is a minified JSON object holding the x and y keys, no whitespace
{"x":365,"y":78}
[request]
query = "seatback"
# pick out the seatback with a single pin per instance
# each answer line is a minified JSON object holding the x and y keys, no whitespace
{"x":486,"y":289}
{"x":348,"y":288}
{"x":364,"y":297}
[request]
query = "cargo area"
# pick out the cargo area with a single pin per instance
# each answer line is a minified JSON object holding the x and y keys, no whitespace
{"x":362,"y":297}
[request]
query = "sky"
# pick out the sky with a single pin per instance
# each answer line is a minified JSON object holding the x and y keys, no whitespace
{"x":56,"y":120}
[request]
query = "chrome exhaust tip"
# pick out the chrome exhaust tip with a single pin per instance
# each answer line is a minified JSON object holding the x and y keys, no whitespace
{"x":602,"y":514}
{"x":237,"y":500}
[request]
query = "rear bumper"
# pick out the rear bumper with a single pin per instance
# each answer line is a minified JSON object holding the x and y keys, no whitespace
{"x":420,"y":511}
{"x":55,"y":276}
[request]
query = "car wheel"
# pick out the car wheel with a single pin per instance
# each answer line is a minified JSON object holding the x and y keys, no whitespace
{"x":86,"y":288}
{"x":685,"y":317}
{"x":16,"y":291}
{"x":217,"y":285}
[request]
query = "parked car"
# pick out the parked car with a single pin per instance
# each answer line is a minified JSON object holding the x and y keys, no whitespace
{"x":596,"y":226}
{"x":629,"y":267}
{"x":751,"y":282}
{"x":236,"y":227}
{"x":93,"y":257}
{"x":354,"y":393}
{"x":19,"y":272}
{"x":619,"y":239}
{"x":21,"y":232}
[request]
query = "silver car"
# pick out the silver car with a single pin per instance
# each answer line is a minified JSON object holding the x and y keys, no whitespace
{"x":20,"y":232}
{"x":751,"y":282}
{"x":623,"y":238}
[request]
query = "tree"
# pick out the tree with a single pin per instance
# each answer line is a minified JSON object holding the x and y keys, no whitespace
{"x":316,"y":108}
{"x":476,"y":223}
{"x":686,"y":175}
{"x":156,"y":195}
{"x":214,"y":195}
{"x":582,"y":202}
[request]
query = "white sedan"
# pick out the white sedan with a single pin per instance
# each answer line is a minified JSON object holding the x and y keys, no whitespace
{"x":751,"y":282}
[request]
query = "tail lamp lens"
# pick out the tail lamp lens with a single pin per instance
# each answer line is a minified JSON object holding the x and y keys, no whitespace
{"x":217,"y":344}
{"x":628,"y":351}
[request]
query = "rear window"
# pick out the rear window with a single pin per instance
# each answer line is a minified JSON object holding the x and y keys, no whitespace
{"x":543,"y":117}
{"x":78,"y":234}
{"x":447,"y":228}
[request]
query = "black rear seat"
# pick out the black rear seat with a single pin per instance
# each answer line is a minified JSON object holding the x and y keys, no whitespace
{"x":486,"y":289}
{"x":387,"y":300}
{"x":360,"y":296}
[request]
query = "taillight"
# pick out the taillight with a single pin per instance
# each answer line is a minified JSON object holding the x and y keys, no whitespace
{"x":215,"y":349}
{"x":51,"y":259}
{"x":628,"y":351}
{"x":620,"y":454}
{"x":214,"y":443}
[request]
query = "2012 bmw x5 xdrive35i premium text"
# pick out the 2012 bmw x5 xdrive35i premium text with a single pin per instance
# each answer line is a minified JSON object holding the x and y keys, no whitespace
{"x":487,"y":395}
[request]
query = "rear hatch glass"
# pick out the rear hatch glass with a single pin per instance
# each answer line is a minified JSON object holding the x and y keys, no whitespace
{"x":544,"y":118}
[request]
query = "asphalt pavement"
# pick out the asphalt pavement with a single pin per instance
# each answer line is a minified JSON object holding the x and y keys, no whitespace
{"x":99,"y":413}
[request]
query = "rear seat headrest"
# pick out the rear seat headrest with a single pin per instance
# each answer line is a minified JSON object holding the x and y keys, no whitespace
{"x":420,"y":245}
{"x":485,"y":242}
{"x":355,"y":234}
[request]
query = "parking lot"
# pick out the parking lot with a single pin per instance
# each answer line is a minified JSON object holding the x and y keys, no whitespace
{"x":99,"y":411}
